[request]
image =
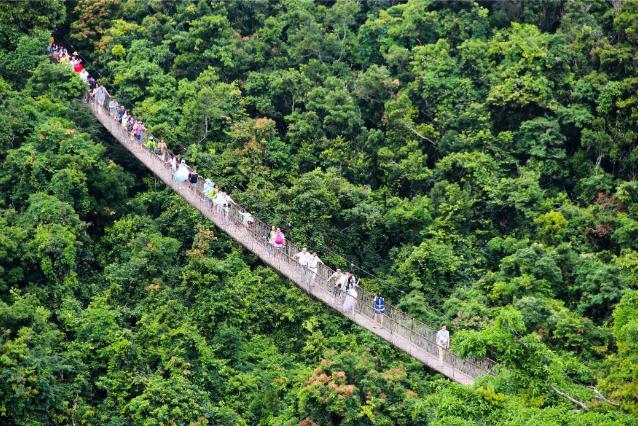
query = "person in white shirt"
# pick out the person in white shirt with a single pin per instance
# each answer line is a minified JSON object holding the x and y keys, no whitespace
{"x":351,"y":281}
{"x":350,"y":302}
{"x":336,"y":275}
{"x":303,"y":257}
{"x":113,"y":107}
{"x":442,"y":342}
{"x":217,"y":200}
{"x":100,"y":93}
{"x":124,"y":118}
{"x":227,"y":203}
{"x":341,"y":284}
{"x":181,"y":175}
{"x":222,"y":201}
{"x":173,"y":165}
{"x":313,"y":267}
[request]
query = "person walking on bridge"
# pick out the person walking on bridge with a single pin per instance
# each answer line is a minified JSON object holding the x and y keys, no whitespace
{"x":113,"y":107}
{"x":247,"y":219}
{"x":100,"y":93}
{"x":270,"y":242}
{"x":341,"y":285}
{"x":280,"y":239}
{"x":443,"y":342}
{"x":208,"y":188}
{"x":192,"y":179}
{"x":91,"y":82}
{"x":161,"y":150}
{"x":227,"y":203}
{"x":213,"y":195}
{"x":379,"y":309}
{"x":151,"y":144}
{"x":173,"y":165}
{"x":350,"y":302}
{"x":313,"y":267}
{"x":337,"y":276}
{"x":181,"y":175}
{"x":138,"y":131}
{"x":350,"y":282}
{"x":129,"y":126}
{"x":303,"y":257}
{"x":218,"y":200}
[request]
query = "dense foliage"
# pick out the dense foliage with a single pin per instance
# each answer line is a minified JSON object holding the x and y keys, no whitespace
{"x":476,"y":160}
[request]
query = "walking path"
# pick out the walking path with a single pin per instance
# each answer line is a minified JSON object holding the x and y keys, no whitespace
{"x":402,"y":331}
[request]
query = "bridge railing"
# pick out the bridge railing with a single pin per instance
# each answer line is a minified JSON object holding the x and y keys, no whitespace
{"x":395,"y":321}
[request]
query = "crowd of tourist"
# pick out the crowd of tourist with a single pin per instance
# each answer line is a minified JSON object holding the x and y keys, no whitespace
{"x":59,"y":54}
{"x":345,"y":284}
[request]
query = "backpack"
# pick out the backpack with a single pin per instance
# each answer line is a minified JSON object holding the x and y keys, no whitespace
{"x":279,"y":238}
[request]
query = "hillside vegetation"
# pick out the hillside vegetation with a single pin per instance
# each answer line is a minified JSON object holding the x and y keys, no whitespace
{"x":476,"y":161}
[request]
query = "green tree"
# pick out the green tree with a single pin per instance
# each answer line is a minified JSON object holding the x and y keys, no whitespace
{"x":622,"y":371}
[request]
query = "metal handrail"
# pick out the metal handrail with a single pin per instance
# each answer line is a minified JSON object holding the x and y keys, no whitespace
{"x":395,"y":322}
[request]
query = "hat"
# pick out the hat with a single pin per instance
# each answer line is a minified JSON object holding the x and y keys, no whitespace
{"x":151,"y":137}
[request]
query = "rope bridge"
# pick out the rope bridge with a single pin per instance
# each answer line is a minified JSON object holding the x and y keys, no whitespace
{"x":399,"y":329}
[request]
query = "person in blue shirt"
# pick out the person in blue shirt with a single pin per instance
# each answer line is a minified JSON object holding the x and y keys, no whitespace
{"x":379,"y":309}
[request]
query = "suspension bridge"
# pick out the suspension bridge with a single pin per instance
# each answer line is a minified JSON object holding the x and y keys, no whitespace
{"x":399,"y":329}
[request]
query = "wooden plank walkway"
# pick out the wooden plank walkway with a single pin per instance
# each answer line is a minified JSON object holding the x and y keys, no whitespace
{"x":400,"y":330}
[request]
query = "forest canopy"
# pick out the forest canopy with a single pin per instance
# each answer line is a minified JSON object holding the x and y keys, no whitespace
{"x":476,"y":161}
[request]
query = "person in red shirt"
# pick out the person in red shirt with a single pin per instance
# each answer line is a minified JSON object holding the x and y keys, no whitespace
{"x":77,"y":65}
